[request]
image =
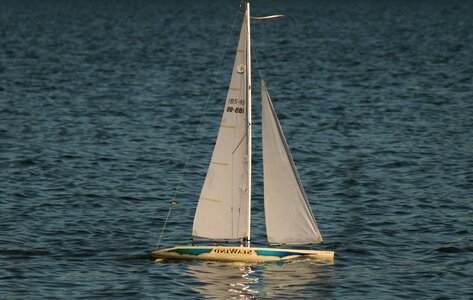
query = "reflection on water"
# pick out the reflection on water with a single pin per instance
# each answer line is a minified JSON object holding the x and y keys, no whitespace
{"x":301,"y":278}
{"x":215,"y":279}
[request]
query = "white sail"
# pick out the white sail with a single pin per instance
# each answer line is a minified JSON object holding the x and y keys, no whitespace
{"x":223,"y":209}
{"x":289,"y":218}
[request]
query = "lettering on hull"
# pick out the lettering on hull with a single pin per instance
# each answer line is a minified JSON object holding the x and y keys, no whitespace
{"x":232,"y":251}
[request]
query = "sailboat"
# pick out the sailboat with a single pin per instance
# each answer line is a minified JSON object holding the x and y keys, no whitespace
{"x":223,"y":212}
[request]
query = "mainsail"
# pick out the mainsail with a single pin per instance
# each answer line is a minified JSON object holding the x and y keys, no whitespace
{"x":223,"y":209}
{"x":289,"y":218}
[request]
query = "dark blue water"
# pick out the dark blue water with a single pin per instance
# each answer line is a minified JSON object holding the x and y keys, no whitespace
{"x":99,"y":103}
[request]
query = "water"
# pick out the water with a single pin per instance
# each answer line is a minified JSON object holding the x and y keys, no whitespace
{"x":99,"y":103}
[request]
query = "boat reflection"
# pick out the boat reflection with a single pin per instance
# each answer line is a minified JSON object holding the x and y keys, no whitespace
{"x":299,"y":278}
{"x":223,"y":280}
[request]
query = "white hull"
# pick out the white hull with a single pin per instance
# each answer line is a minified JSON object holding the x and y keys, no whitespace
{"x":241,"y":254}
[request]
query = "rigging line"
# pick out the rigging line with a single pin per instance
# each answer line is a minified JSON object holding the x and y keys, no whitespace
{"x":164,"y":226}
{"x":239,"y":143}
{"x":198,"y":127}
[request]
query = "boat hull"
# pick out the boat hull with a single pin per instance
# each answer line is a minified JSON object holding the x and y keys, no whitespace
{"x":240,"y":254}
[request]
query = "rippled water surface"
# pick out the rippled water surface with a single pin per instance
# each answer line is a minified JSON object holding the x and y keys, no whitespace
{"x":99,"y":102}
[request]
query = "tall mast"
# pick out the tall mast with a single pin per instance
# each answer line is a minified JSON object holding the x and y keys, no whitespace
{"x":248,"y":116}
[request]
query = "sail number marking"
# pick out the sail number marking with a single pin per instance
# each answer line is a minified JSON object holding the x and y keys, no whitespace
{"x":237,"y":110}
{"x":236,"y":101}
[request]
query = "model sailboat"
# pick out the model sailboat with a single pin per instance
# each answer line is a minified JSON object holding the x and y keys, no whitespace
{"x":224,"y":209}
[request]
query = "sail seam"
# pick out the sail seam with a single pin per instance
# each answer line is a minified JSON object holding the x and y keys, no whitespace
{"x":210,"y":199}
{"x":219,"y":163}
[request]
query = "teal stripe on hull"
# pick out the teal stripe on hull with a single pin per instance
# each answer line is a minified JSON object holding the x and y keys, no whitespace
{"x":277,"y":253}
{"x":192,"y":251}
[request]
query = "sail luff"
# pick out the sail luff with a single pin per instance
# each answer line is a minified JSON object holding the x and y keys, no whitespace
{"x":289,"y":218}
{"x":248,"y":111}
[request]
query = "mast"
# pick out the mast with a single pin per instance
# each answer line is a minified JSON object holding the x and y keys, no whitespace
{"x":248,"y":117}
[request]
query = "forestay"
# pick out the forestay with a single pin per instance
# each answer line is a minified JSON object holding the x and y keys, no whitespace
{"x":223,"y":208}
{"x":289,"y":219}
